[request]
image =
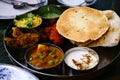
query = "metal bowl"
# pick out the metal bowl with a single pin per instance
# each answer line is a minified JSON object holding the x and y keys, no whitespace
{"x":49,"y":11}
{"x":81,"y":58}
{"x":51,"y":54}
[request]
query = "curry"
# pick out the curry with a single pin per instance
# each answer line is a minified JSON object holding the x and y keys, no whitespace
{"x":45,"y":56}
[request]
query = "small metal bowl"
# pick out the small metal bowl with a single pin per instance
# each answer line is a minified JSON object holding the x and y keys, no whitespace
{"x":81,"y":58}
{"x":49,"y":11}
{"x":44,"y":56}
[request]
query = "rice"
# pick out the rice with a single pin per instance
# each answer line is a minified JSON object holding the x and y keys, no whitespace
{"x":28,"y":22}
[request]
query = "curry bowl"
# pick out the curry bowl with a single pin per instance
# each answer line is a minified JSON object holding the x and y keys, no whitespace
{"x":44,"y":56}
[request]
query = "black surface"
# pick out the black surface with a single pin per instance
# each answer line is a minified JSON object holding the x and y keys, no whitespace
{"x":113,"y":71}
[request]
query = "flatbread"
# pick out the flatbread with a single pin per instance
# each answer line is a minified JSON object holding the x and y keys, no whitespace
{"x":112,"y":37}
{"x":82,"y":24}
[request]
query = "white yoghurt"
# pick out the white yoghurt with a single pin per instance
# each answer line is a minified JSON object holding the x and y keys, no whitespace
{"x":81,"y":60}
{"x":73,"y":2}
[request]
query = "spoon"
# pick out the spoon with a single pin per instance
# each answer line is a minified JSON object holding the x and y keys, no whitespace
{"x":20,"y":4}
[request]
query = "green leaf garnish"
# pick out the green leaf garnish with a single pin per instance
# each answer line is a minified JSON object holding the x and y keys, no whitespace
{"x":30,"y":23}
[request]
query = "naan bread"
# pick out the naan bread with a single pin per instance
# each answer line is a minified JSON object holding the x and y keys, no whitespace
{"x":112,"y":37}
{"x":82,"y":24}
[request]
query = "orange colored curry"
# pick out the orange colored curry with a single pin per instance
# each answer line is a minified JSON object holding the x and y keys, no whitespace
{"x":45,"y":56}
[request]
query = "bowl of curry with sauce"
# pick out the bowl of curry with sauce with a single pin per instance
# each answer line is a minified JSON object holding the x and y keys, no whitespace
{"x":44,"y":56}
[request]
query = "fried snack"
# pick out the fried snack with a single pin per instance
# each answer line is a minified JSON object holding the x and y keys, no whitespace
{"x":82,"y":24}
{"x":112,"y":37}
{"x":21,"y":40}
{"x":16,"y":32}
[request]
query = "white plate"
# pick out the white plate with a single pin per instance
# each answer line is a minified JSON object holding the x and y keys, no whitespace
{"x":72,"y":3}
{"x":8,"y":12}
{"x":10,"y":72}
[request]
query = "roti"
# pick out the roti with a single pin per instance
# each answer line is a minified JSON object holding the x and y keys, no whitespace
{"x":82,"y":24}
{"x":112,"y":37}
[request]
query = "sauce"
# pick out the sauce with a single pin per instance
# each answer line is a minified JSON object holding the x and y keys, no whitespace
{"x":81,"y":60}
{"x":50,"y":15}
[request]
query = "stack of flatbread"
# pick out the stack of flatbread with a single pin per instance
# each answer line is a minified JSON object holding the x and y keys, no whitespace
{"x":85,"y":26}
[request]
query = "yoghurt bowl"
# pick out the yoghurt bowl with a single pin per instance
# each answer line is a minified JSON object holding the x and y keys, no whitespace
{"x":81,"y":58}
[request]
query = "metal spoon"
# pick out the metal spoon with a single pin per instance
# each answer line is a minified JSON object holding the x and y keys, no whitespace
{"x":20,"y":4}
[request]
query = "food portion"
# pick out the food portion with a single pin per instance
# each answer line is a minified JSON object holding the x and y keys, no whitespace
{"x":50,"y":33}
{"x":20,"y":39}
{"x":82,"y":24}
{"x":112,"y":36}
{"x":45,"y":56}
{"x":28,"y":20}
{"x":81,"y":58}
{"x":85,"y":26}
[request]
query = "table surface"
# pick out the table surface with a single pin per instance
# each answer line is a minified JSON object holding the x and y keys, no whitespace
{"x":112,"y":74}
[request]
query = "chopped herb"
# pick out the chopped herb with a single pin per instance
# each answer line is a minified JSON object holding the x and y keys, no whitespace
{"x":50,"y":62}
{"x":30,"y":23}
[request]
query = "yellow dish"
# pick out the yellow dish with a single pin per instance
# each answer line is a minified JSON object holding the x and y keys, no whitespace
{"x":28,"y":20}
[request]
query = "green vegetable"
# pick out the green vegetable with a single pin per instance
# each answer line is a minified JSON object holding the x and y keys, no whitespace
{"x":53,"y":56}
{"x":42,"y":57}
{"x":56,"y":60}
{"x":50,"y":62}
{"x":30,"y":59}
{"x":30,"y":23}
